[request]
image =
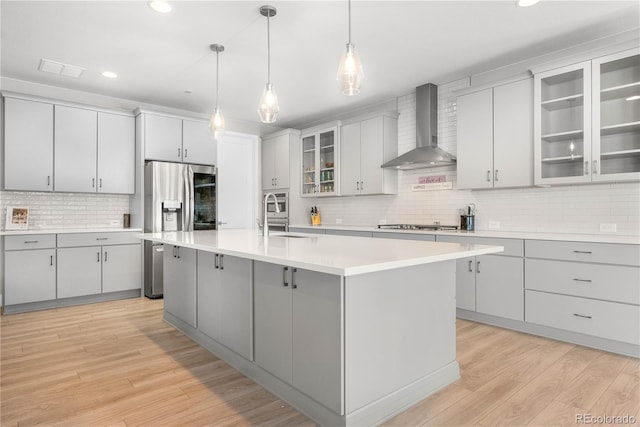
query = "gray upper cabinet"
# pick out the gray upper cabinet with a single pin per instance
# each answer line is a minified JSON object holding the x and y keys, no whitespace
{"x":365,"y":145}
{"x":495,"y":137}
{"x":197,"y":143}
{"x":163,"y":138}
{"x":275,"y":160}
{"x":28,"y":129}
{"x":116,"y":153}
{"x":172,"y":139}
{"x":75,"y":139}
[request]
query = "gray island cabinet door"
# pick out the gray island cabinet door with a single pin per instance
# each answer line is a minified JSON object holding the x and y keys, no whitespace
{"x":180,"y":283}
{"x":236,"y":304}
{"x":121,"y":268}
{"x":28,"y":145}
{"x":79,"y":271}
{"x":29,"y":276}
{"x":75,"y":149}
{"x":317,"y":337}
{"x":466,"y":283}
{"x":116,"y":153}
{"x":209,"y":303}
{"x":272,"y":319}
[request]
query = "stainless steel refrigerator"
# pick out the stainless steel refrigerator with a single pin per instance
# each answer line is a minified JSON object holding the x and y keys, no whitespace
{"x":178,"y":197}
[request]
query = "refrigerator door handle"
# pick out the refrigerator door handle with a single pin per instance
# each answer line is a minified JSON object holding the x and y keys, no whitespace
{"x":187,"y":210}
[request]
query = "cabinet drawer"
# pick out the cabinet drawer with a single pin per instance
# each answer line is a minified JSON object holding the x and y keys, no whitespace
{"x":607,"y":282}
{"x":605,"y":253}
{"x":306,"y":230}
{"x":29,"y":241}
{"x":404,"y":236}
{"x":512,"y":247}
{"x":352,"y":233}
{"x":91,"y":239}
{"x":620,"y":322}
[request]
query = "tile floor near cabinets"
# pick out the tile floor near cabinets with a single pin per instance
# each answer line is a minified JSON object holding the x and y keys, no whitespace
{"x":119,"y":364}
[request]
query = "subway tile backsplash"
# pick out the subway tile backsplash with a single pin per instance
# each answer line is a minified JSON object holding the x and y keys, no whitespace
{"x":67,"y":210}
{"x":570,"y":209}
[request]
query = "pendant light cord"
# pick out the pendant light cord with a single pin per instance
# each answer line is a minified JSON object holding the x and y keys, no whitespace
{"x":268,"y":48}
{"x":349,"y":6}
{"x":217,"y":77}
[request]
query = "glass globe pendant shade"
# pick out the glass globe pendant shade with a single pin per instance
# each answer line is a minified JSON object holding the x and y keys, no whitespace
{"x":268,"y":107}
{"x":350,"y":73}
{"x":216,"y":124}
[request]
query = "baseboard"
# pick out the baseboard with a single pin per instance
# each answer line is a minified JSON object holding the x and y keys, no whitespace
{"x":68,"y":302}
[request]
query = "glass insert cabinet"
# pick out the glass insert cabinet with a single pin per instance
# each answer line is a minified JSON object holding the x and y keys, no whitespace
{"x":587,"y":120}
{"x":319,"y":162}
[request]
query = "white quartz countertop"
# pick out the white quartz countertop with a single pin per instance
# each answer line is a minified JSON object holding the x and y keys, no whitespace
{"x":340,"y":255}
{"x":67,"y":231}
{"x":569,"y":237}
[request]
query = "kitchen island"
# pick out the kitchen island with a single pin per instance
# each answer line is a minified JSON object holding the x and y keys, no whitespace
{"x":348,"y":330}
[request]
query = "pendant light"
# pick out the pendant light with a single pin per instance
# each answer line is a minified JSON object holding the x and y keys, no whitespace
{"x":350,"y":72}
{"x":268,"y":107}
{"x":216,"y":123}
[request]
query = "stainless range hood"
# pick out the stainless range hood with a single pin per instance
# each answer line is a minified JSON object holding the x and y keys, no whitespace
{"x":426,"y":154}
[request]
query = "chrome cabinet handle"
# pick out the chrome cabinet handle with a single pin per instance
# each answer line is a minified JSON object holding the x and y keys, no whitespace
{"x":221,"y":262}
{"x":495,"y":175}
{"x":582,"y":280}
{"x":102,"y":238}
{"x":284,"y":276}
{"x":51,"y":260}
{"x":178,"y":252}
{"x":488,"y":176}
{"x":358,"y":185}
{"x":594,"y":168}
{"x":186,"y":152}
{"x":478,"y":267}
{"x":93,"y":183}
{"x":582,"y":252}
{"x":471,"y":266}
{"x":178,"y":152}
{"x":31,"y":241}
{"x":48,"y":180}
{"x":586,"y":168}
{"x":276,"y":180}
{"x":105,"y":256}
{"x":361,"y":185}
{"x":293,"y":282}
{"x":582,"y":315}
{"x":100,"y":183}
{"x":215,"y":263}
{"x":98,"y":256}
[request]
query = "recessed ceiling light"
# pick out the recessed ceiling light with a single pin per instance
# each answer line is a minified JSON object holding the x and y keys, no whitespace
{"x":160,"y":6}
{"x":526,"y":3}
{"x":633,"y":98}
{"x":109,"y":74}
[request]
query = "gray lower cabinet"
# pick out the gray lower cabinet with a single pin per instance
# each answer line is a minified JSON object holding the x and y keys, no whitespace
{"x":79,"y":271}
{"x":307,"y":230}
{"x":297,"y":329}
{"x":180,"y":283}
{"x":29,"y":276}
{"x":121,"y":268}
{"x":352,"y":233}
{"x":224,"y":300}
{"x":404,"y":236}
{"x":491,"y":284}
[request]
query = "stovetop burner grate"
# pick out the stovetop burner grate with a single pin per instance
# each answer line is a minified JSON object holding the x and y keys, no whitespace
{"x":434,"y":227}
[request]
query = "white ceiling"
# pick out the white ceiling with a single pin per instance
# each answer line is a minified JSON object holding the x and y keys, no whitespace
{"x":402,"y":44}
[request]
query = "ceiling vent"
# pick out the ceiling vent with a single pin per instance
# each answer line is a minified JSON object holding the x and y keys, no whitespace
{"x":59,"y":68}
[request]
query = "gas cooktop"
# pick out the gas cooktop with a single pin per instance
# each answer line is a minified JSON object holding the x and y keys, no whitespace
{"x":434,"y":227}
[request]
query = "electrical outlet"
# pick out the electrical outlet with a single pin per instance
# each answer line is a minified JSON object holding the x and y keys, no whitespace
{"x":494,"y":225}
{"x":607,"y":227}
{"x":382,"y":222}
{"x":338,"y":221}
{"x":115,"y":222}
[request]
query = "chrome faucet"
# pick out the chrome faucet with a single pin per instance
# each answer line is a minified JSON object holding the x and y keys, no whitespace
{"x":265,"y":222}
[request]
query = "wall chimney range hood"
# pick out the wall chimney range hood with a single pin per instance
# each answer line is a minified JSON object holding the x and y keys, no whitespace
{"x":426,"y":154}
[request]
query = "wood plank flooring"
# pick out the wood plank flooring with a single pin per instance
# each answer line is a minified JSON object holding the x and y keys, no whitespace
{"x":119,"y":364}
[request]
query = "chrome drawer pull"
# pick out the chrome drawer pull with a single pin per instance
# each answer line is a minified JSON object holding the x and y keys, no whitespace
{"x":582,"y":315}
{"x":471,"y":266}
{"x":31,"y":241}
{"x":215,"y":264}
{"x":582,"y":252}
{"x":284,"y":276}
{"x":582,"y":280}
{"x":102,"y":238}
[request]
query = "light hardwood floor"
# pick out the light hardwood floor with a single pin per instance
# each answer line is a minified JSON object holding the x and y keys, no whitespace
{"x":119,"y":364}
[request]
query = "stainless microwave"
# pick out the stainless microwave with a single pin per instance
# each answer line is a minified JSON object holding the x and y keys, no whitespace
{"x":283,"y":203}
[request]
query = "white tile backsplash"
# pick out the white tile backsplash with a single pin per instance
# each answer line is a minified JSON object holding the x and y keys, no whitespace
{"x":573,"y":209}
{"x":67,"y":210}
